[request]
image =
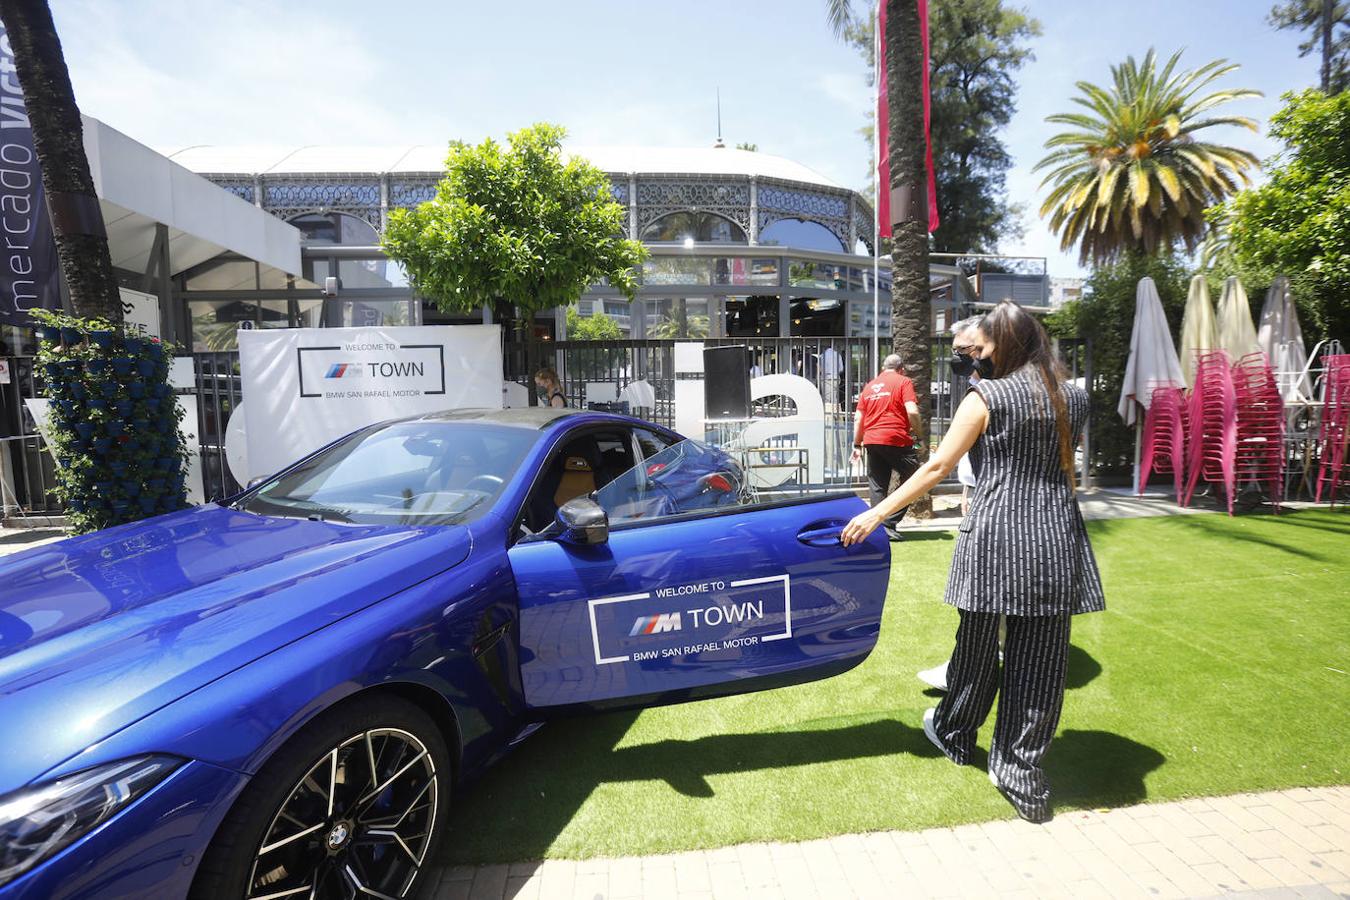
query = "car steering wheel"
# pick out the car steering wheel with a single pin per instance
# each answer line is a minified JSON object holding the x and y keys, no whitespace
{"x":493,"y":481}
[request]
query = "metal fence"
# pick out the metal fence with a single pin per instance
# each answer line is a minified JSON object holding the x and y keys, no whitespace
{"x":838,"y":367}
{"x":27,"y":473}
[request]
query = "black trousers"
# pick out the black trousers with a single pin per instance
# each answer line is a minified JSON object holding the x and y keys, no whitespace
{"x":1030,"y":692}
{"x":888,"y":467}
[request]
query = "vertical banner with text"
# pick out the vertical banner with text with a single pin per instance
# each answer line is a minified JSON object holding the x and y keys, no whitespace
{"x":305,"y":387}
{"x":28,"y":264}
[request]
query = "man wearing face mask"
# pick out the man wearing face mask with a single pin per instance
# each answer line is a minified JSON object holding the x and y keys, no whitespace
{"x":963,"y":363}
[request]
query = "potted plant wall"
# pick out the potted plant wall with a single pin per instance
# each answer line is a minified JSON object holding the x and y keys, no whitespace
{"x":114,"y":423}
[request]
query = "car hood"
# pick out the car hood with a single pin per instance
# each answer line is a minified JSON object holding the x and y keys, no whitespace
{"x":101,"y":630}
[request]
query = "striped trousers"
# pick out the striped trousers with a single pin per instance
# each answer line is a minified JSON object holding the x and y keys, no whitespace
{"x":1030,"y":692}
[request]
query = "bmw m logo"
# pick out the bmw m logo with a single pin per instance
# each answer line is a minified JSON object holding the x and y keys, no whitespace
{"x":655,"y":624}
{"x":343,"y":370}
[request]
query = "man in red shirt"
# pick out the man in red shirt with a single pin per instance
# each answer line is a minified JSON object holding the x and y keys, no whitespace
{"x":886,"y":424}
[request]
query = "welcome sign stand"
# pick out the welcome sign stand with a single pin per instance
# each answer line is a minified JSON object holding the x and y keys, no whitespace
{"x":306,"y":387}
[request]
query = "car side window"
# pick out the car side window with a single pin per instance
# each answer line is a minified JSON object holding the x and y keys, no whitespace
{"x":651,"y":442}
{"x":685,"y":477}
{"x":583,"y":464}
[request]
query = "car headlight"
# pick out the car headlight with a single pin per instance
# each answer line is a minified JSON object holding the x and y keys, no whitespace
{"x":38,"y":822}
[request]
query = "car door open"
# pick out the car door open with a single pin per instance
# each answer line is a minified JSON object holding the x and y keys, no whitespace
{"x":696,"y":589}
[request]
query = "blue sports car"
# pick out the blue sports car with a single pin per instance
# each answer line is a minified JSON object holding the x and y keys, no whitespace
{"x":275,"y":696}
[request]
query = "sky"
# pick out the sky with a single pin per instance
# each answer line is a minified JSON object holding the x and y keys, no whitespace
{"x":176,"y":73}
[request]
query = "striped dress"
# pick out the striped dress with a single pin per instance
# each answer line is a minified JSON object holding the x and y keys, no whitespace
{"x":1023,"y":549}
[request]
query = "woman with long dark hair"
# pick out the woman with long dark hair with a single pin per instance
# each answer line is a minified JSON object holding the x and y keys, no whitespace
{"x":1022,"y":554}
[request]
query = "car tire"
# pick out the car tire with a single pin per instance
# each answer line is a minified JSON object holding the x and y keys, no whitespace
{"x":315,"y":815}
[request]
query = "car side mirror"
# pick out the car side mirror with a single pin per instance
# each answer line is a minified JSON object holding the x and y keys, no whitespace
{"x":582,"y":521}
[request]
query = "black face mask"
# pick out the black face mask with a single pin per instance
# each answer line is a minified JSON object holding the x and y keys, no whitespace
{"x":964,"y":365}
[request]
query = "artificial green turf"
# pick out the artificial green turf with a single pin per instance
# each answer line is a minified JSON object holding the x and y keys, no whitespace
{"x":1219,"y":666}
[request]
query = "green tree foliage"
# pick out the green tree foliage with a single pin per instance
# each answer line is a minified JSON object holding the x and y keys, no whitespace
{"x":514,"y":224}
{"x":599,"y":361}
{"x":1132,"y":176}
{"x":976,"y":48}
{"x":1105,"y":316}
{"x":746,"y":145}
{"x":1298,"y":222}
{"x":595,"y":327}
{"x":1328,"y":36}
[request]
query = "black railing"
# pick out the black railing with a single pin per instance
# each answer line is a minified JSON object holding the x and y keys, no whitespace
{"x":27,"y":474}
{"x":219,"y":392}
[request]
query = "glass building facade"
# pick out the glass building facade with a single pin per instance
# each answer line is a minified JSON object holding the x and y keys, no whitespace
{"x":733,"y":254}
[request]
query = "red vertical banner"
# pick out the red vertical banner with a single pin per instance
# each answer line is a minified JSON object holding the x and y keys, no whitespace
{"x":884,"y":124}
{"x":883,"y":128}
{"x":933,"y":220}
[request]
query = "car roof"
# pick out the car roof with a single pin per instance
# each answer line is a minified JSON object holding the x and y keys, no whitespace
{"x":539,"y":418}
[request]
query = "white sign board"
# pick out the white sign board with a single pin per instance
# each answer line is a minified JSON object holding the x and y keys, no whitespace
{"x":140,"y":311}
{"x":305,"y":387}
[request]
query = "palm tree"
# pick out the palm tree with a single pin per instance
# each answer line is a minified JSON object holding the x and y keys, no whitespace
{"x":1133,"y":176}
{"x":911,"y":312}
{"x":58,"y":139}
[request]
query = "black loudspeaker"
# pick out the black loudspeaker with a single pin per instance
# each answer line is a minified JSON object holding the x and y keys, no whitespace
{"x":726,"y":382}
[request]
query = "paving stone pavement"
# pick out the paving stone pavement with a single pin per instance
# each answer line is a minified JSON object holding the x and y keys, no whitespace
{"x":1280,"y":844}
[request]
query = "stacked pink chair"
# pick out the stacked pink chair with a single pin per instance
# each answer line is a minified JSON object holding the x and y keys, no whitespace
{"x":1211,"y":435}
{"x":1164,"y":442}
{"x":1335,"y":429}
{"x":1259,"y":450}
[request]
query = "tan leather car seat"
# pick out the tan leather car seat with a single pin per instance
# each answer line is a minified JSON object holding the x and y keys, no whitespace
{"x":577,"y":480}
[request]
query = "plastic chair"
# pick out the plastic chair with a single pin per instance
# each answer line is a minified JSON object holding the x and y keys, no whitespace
{"x":1164,"y":439}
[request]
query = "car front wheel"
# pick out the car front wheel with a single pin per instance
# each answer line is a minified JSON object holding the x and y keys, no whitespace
{"x":353,"y":806}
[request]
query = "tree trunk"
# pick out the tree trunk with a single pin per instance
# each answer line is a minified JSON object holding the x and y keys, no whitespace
{"x":58,"y":138}
{"x":910,"y":305}
{"x":1328,"y":7}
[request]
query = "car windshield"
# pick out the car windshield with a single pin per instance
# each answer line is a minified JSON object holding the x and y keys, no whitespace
{"x":408,"y":473}
{"x":685,"y":477}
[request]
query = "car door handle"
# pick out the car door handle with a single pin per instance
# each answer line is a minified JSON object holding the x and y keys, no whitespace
{"x":822,"y":534}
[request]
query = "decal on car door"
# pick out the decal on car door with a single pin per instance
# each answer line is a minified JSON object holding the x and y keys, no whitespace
{"x":689,"y":620}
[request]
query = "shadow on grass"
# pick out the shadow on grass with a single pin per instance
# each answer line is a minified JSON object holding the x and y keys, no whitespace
{"x":1221,"y":528}
{"x":518,"y":810}
{"x":1082,"y":668}
{"x":1090,"y":769}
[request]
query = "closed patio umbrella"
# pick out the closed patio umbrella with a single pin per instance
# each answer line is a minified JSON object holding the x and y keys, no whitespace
{"x":1153,"y":357}
{"x":1153,"y":361}
{"x":1237,"y":334}
{"x":1281,"y":338}
{"x":1199,"y":332}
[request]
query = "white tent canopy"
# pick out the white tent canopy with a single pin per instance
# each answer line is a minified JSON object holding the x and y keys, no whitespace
{"x":138,"y":189}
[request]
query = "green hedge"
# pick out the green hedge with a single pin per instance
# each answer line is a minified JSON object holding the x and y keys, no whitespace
{"x":114,"y":423}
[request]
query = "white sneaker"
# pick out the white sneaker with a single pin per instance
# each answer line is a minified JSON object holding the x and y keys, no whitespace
{"x":930,"y":730}
{"x":935,"y":677}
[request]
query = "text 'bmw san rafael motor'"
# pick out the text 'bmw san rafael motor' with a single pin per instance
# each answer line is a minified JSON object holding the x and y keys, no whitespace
{"x":275,"y":696}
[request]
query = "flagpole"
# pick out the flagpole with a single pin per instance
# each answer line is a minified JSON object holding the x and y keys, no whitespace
{"x":876,"y":188}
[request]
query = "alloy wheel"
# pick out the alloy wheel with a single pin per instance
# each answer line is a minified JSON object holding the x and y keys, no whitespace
{"x":357,"y":825}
